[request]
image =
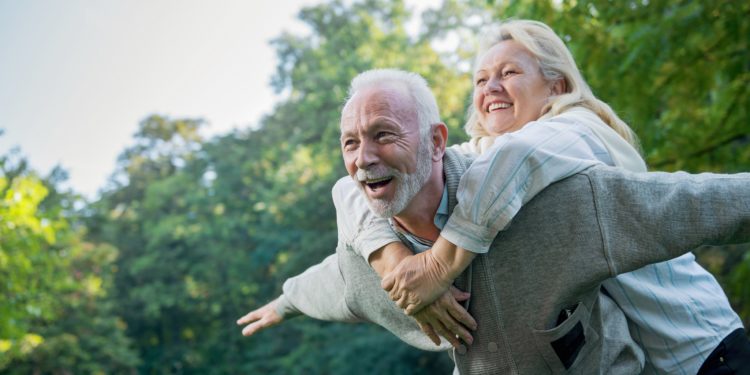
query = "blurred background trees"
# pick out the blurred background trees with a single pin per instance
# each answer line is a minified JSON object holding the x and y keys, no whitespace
{"x":192,"y":233}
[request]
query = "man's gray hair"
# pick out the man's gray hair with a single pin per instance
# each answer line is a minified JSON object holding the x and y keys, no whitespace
{"x":427,"y":109}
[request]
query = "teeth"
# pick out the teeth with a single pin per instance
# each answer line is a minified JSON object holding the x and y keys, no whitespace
{"x":495,"y":106}
{"x":375,"y":181}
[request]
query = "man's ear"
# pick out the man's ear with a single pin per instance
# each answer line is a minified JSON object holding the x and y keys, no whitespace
{"x":559,"y":87}
{"x":439,"y":141}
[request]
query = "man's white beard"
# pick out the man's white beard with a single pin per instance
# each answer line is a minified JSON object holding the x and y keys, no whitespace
{"x":408,"y":184}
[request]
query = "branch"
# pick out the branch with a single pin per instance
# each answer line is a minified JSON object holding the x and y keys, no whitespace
{"x":705,"y":150}
{"x":730,"y":110}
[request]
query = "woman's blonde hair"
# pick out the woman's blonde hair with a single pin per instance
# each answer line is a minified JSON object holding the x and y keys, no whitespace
{"x":555,"y":63}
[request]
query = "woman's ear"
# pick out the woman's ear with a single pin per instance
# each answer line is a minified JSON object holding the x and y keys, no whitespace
{"x":559,"y":87}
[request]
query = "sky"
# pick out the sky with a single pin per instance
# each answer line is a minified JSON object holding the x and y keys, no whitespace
{"x":77,"y":76}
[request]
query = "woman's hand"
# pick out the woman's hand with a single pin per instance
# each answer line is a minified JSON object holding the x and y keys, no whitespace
{"x":260,"y":319}
{"x":417,"y":281}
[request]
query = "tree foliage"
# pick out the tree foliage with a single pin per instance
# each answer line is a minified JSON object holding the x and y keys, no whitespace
{"x":54,"y":316}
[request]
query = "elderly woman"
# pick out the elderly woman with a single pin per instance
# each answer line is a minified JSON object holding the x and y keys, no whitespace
{"x":527,"y":92}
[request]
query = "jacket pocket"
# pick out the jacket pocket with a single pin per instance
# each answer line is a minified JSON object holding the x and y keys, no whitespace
{"x":569,"y":343}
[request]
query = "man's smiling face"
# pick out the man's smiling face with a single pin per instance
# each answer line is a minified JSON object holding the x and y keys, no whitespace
{"x":382,"y":149}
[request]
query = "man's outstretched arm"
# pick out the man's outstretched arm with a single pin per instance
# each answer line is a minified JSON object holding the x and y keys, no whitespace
{"x":651,"y":217}
{"x":261,"y":318}
{"x":317,"y":293}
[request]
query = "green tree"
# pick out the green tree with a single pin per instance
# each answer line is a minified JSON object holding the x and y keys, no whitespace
{"x":31,"y":266}
{"x":53,"y":317}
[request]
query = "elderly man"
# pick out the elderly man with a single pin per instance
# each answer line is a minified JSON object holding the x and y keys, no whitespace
{"x":575,"y":234}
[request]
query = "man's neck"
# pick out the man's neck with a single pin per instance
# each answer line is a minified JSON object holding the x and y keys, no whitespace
{"x":419,"y":216}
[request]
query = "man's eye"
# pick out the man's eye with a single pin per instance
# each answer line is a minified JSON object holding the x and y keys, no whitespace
{"x":349,"y":144}
{"x":508,"y":73}
{"x":382,"y":135}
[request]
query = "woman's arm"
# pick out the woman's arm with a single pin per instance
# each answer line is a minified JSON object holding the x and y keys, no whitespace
{"x":490,"y":194}
{"x":511,"y":173}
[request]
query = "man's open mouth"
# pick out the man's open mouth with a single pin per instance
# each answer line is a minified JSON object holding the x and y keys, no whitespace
{"x":376,"y":183}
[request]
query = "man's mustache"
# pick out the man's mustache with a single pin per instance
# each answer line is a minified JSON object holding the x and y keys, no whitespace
{"x":375,"y":173}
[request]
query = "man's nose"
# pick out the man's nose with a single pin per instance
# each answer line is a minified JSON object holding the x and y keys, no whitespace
{"x":366,"y":155}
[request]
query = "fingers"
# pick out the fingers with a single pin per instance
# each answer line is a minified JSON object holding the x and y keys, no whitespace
{"x":445,"y":326}
{"x":412,"y":308}
{"x":394,"y":294}
{"x":458,"y":312}
{"x":403,"y":301}
{"x":254,"y":327}
{"x":445,"y":332}
{"x":460,"y":331}
{"x":459,"y":295}
{"x":387,"y":282}
{"x":261,"y":318}
{"x":430,"y":332}
{"x":448,"y":318}
{"x":257,"y":319}
{"x":249,"y":317}
{"x":452,"y":328}
{"x":267,"y":319}
{"x":463,"y":317}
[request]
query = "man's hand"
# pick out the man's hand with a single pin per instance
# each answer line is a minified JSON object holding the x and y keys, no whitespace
{"x":260,"y":319}
{"x":417,"y":281}
{"x":447,"y":318}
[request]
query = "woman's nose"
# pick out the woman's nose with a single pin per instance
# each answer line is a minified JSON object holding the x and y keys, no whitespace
{"x":493,"y":85}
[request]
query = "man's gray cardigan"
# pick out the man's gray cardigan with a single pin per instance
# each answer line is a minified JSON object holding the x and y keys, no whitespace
{"x":536,"y":293}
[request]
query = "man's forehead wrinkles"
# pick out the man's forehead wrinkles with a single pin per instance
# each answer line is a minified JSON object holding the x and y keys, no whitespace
{"x":375,"y":108}
{"x":349,"y":117}
{"x":394,"y":105}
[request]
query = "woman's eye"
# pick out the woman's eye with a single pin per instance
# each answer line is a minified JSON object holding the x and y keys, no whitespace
{"x":480,"y":81}
{"x":509,"y":73}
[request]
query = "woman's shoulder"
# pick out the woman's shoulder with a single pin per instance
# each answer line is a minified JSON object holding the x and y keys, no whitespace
{"x":576,"y":114}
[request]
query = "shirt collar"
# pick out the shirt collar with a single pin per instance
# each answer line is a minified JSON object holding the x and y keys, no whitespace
{"x":441,"y":217}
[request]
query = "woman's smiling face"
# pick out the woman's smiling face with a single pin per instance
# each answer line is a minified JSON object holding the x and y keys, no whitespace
{"x":509,"y":89}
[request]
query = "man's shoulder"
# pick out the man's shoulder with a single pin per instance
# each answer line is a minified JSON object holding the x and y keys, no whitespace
{"x":574,"y":194}
{"x":346,"y":193}
{"x":343,"y":185}
{"x":596,"y":176}
{"x":606,"y":177}
{"x":596,"y":183}
{"x":455,"y":161}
